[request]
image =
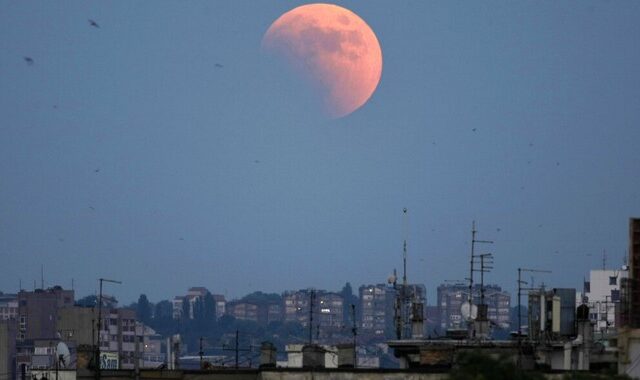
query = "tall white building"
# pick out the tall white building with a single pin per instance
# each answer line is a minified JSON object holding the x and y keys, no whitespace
{"x":602,"y":294}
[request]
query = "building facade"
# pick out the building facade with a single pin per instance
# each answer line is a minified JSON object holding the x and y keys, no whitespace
{"x":8,"y":306}
{"x":377,"y":309}
{"x":633,"y":284}
{"x":451,"y":297}
{"x":602,"y":295}
{"x":38,"y":312}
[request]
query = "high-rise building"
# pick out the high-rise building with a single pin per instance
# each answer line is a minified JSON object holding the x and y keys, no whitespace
{"x":377,"y":309}
{"x":330,"y":310}
{"x":327,"y":310}
{"x":450,"y":300}
{"x":196,"y":295}
{"x":452,"y":296}
{"x":296,"y":306}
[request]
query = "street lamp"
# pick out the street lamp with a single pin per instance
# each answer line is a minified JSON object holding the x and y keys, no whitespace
{"x":97,"y":358}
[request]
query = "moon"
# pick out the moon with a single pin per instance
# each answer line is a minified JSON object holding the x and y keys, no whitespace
{"x":333,"y":49}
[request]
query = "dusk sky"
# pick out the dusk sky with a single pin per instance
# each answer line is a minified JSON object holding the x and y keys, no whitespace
{"x":164,"y":149}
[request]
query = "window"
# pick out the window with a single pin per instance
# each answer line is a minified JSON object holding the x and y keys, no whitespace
{"x":613,"y":280}
{"x":615,"y":295}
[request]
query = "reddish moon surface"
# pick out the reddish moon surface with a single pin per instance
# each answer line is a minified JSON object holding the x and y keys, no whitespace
{"x":334,"y":49}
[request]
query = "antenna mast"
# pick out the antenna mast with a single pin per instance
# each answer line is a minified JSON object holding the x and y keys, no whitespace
{"x":405,"y":296}
{"x":472,"y":260}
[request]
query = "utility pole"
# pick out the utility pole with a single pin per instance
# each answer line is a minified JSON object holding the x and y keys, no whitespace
{"x":403,"y":291}
{"x":484,"y":268}
{"x":312,"y":300}
{"x":396,"y":305}
{"x":472,"y":260}
{"x":201,"y":354}
{"x":237,"y":349}
{"x":354,"y":330}
{"x":471,"y":330}
{"x":97,"y":358}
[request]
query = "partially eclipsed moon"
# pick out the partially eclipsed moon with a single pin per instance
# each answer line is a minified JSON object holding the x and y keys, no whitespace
{"x":333,"y":48}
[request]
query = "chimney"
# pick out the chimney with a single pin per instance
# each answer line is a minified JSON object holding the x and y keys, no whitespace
{"x":267,"y":355}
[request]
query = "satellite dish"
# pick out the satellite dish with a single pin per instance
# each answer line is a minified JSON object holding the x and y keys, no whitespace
{"x":468,"y":311}
{"x":64,"y":356}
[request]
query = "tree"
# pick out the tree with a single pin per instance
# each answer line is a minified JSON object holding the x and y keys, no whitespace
{"x":476,"y":365}
{"x":143,"y":309}
{"x":163,"y":321}
{"x":198,"y":310}
{"x":209,"y":308}
{"x":260,"y":298}
{"x":186,"y":309}
{"x":88,"y":301}
{"x":347,"y":300}
{"x":163,"y":310}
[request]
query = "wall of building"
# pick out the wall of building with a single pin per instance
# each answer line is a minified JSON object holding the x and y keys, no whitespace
{"x":634,"y":273}
{"x":75,"y":324}
{"x":7,"y":347}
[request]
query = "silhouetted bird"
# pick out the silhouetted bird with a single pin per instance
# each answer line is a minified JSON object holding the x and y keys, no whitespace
{"x":181,"y":239}
{"x":97,"y":170}
{"x":498,"y":229}
{"x":218,"y":65}
{"x":256,"y":161}
{"x":29,"y":60}
{"x":91,"y":207}
{"x":557,"y":164}
{"x":473,"y":129}
{"x":94,"y":24}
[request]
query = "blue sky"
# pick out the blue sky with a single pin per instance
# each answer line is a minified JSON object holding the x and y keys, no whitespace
{"x":126,"y":153}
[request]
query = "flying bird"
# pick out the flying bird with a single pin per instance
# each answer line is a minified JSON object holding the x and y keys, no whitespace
{"x":91,"y":207}
{"x":96,"y":170}
{"x":218,"y":65}
{"x":473,"y":129}
{"x":94,"y":24}
{"x":29,"y":60}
